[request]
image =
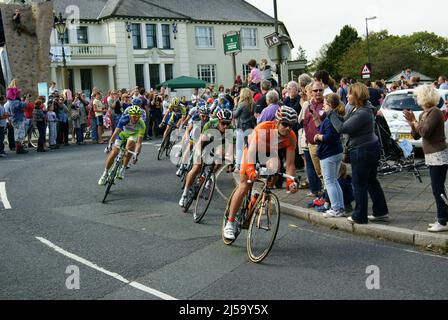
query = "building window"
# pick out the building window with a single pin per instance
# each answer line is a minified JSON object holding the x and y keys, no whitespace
{"x":169,"y":72}
{"x":139,"y":77}
{"x":246,"y":71}
{"x":248,"y":38}
{"x":207,"y":72}
{"x":66,"y":41}
{"x":136,"y":36}
{"x":83,"y":37}
{"x":154,"y":75}
{"x":151,"y":35}
{"x":204,"y":37}
{"x":86,"y":81}
{"x":166,"y":36}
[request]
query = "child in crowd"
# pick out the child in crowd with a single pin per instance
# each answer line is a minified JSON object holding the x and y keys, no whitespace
{"x":52,"y":126}
{"x":39,"y":122}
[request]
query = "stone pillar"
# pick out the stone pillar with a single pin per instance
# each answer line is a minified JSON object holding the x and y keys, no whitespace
{"x":54,"y":76}
{"x":146,"y":76}
{"x":159,"y":36}
{"x":162,"y":72}
{"x":111,"y":77}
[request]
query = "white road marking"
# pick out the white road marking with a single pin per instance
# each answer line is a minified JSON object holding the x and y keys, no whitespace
{"x":114,"y":275}
{"x":3,"y":196}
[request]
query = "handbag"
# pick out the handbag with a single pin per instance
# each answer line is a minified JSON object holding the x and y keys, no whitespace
{"x":74,"y":114}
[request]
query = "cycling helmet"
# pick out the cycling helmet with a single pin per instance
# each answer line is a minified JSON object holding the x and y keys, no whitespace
{"x":137,"y":102}
{"x":201,"y":103}
{"x":175,"y":102}
{"x":203,"y":110}
{"x":286,"y":114}
{"x":210,"y":100}
{"x":135,"y":111}
{"x":225,"y":114}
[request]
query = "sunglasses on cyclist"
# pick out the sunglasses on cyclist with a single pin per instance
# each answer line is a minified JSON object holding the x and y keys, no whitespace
{"x":287,"y":125}
{"x":226,"y":123}
{"x":318,"y":90}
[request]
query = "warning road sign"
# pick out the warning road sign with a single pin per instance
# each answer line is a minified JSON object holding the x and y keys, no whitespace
{"x":366,"y":70}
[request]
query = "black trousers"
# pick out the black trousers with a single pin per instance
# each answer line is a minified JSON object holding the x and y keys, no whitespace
{"x":438,"y":177}
{"x":41,"y":127}
{"x":11,"y":139}
{"x":62,"y":133}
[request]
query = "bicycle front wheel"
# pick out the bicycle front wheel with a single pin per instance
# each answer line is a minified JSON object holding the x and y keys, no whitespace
{"x":263,"y":229}
{"x":204,"y":198}
{"x":110,"y":181}
{"x":162,"y":149}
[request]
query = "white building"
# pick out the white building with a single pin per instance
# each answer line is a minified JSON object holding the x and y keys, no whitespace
{"x":128,"y":43}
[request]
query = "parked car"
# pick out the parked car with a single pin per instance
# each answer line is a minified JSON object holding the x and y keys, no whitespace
{"x":392,"y":109}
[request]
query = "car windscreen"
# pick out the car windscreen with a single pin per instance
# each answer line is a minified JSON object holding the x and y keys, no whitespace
{"x":405,"y":101}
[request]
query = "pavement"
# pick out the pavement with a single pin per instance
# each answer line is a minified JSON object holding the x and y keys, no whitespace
{"x":411,"y":204}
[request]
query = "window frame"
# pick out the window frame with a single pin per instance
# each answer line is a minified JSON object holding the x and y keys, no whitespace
{"x":86,"y":34}
{"x":252,"y":38}
{"x":135,"y":36}
{"x":212,"y":70}
{"x":166,"y":38}
{"x":210,"y":37}
{"x":153,"y":37}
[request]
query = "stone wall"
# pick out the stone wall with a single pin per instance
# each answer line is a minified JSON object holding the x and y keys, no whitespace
{"x":29,"y":55}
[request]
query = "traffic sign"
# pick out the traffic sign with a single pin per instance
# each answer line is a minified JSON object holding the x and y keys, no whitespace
{"x":272,"y":40}
{"x":366,"y":70}
{"x":232,"y":44}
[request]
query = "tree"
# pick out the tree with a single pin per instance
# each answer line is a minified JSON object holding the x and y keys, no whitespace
{"x":392,"y":54}
{"x":301,"y":54}
{"x":330,"y":58}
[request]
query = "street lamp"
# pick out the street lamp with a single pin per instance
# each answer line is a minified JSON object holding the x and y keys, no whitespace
{"x":368,"y":43}
{"x":61,"y":27}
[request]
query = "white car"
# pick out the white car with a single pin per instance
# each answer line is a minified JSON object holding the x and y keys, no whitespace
{"x":392,"y":109}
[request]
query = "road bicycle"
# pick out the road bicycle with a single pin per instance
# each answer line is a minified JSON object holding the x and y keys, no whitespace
{"x":118,"y":165}
{"x":167,"y":144}
{"x":260,"y":214}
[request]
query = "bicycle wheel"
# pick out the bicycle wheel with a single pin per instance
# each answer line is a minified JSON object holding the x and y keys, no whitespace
{"x":263,"y":229}
{"x":110,"y":180}
{"x":162,"y":149}
{"x":204,"y":198}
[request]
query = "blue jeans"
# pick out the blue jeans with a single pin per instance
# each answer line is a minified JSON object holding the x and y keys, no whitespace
{"x":364,"y":162}
{"x":438,"y":177}
{"x":93,"y":129}
{"x":330,"y":170}
{"x":313,"y":179}
{"x":2,"y":138}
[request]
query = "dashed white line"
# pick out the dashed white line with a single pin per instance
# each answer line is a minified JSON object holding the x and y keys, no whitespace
{"x":4,"y":196}
{"x":114,"y":275}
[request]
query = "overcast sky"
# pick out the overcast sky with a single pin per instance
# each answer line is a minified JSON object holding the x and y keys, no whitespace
{"x":312,"y":24}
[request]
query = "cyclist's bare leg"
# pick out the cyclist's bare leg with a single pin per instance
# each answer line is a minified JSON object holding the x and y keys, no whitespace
{"x":168,"y":129}
{"x":192,"y":175}
{"x":238,"y":196}
{"x":112,"y":155}
{"x":130,"y":146}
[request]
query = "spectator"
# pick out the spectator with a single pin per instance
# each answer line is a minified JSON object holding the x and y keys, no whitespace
{"x":17,"y":110}
{"x":82,"y":104}
{"x":75,"y":116}
{"x":29,"y":120}
{"x":443,"y":83}
{"x":254,"y":77}
{"x":19,"y":27}
{"x":343,"y":90}
{"x":374,"y":94}
{"x":245,"y":121}
{"x":407,"y":74}
{"x":323,"y":77}
{"x":268,"y":114}
{"x":394,"y":87}
{"x":261,"y":104}
{"x":364,"y":151}
{"x":99,"y":109}
{"x":39,"y":123}
{"x":52,"y":89}
{"x":314,"y":172}
{"x":52,"y":125}
{"x":3,"y":117}
{"x":63,"y":125}
{"x":10,"y":127}
{"x":195,"y":97}
{"x":430,"y":127}
{"x":238,"y":81}
{"x":330,"y":154}
{"x":220,"y":89}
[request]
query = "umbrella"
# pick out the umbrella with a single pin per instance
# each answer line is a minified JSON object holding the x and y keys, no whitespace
{"x":183,"y":82}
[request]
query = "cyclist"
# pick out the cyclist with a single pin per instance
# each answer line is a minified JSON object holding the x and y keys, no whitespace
{"x":176,"y":114}
{"x":131,"y":127}
{"x":260,"y":144}
{"x":220,"y":104}
{"x":222,"y":123}
{"x":136,"y":102}
{"x":193,"y":130}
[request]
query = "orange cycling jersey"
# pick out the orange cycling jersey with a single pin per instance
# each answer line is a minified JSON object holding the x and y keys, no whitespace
{"x":262,"y":138}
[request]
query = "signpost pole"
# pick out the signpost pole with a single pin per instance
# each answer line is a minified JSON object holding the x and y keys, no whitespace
{"x":278,"y":65}
{"x":234,"y":65}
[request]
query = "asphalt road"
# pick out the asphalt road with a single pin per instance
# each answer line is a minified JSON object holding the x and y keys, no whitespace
{"x":141,"y":246}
